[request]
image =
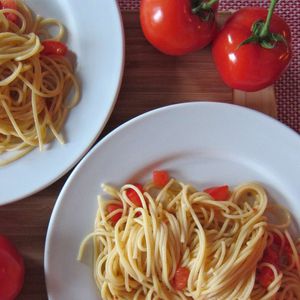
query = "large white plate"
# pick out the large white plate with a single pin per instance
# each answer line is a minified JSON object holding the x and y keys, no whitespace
{"x":203,"y":143}
{"x":95,"y":34}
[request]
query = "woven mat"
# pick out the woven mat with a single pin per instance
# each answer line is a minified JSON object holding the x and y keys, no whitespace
{"x":288,"y":87}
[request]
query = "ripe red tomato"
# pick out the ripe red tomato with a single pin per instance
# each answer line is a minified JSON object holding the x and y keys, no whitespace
{"x":171,"y":27}
{"x":250,"y":67}
{"x":11,"y":270}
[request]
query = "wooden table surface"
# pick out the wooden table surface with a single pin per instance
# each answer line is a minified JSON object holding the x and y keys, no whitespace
{"x":151,"y":80}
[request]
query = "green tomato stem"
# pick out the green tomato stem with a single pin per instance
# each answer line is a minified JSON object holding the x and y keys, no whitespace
{"x":209,"y":4}
{"x":203,"y":6}
{"x":266,"y":28}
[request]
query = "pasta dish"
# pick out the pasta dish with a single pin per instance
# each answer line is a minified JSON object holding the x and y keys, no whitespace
{"x":37,"y":83}
{"x":168,"y":240}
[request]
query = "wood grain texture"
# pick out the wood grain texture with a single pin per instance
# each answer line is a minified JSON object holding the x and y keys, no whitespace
{"x":263,"y":101}
{"x":151,"y":80}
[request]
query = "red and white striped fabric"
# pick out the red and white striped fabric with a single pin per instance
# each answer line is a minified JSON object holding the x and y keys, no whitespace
{"x":288,"y":87}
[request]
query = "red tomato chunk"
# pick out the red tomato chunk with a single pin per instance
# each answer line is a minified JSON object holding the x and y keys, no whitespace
{"x":54,"y":48}
{"x":160,"y":178}
{"x":219,"y":193}
{"x":11,"y":4}
{"x":181,"y":278}
{"x":112,"y":207}
{"x":133,"y":196}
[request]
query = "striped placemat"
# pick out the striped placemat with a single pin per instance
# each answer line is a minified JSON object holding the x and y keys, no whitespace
{"x":288,"y":87}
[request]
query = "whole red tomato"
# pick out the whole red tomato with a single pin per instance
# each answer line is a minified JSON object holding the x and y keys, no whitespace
{"x":172,"y":27}
{"x":11,"y":270}
{"x":250,"y":67}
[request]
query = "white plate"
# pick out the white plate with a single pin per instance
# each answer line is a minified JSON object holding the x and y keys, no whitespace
{"x":203,"y":143}
{"x":95,"y":34}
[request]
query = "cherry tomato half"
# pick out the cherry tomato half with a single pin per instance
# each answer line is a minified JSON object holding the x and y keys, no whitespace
{"x":11,"y":270}
{"x":250,"y":67}
{"x":171,"y":27}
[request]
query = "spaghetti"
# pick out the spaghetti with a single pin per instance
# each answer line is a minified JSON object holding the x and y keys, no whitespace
{"x":175,"y":242}
{"x":37,"y":82}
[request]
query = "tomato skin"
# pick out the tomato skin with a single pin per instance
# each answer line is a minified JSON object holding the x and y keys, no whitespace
{"x":112,"y":207}
{"x":250,"y":67}
{"x":160,"y":178}
{"x":219,"y":193}
{"x":181,"y":277}
{"x":171,"y":27}
{"x":54,"y":48}
{"x":11,"y":270}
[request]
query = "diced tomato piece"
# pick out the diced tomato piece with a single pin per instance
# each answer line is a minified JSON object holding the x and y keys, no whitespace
{"x":181,"y":277}
{"x":112,"y":207}
{"x":286,"y":259}
{"x":265,"y":276}
{"x":160,"y":178}
{"x":133,"y":196}
{"x":11,"y":270}
{"x":287,"y":247}
{"x":219,"y":193}
{"x":278,"y":242}
{"x":271,"y":256}
{"x":11,"y":4}
{"x":54,"y":48}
